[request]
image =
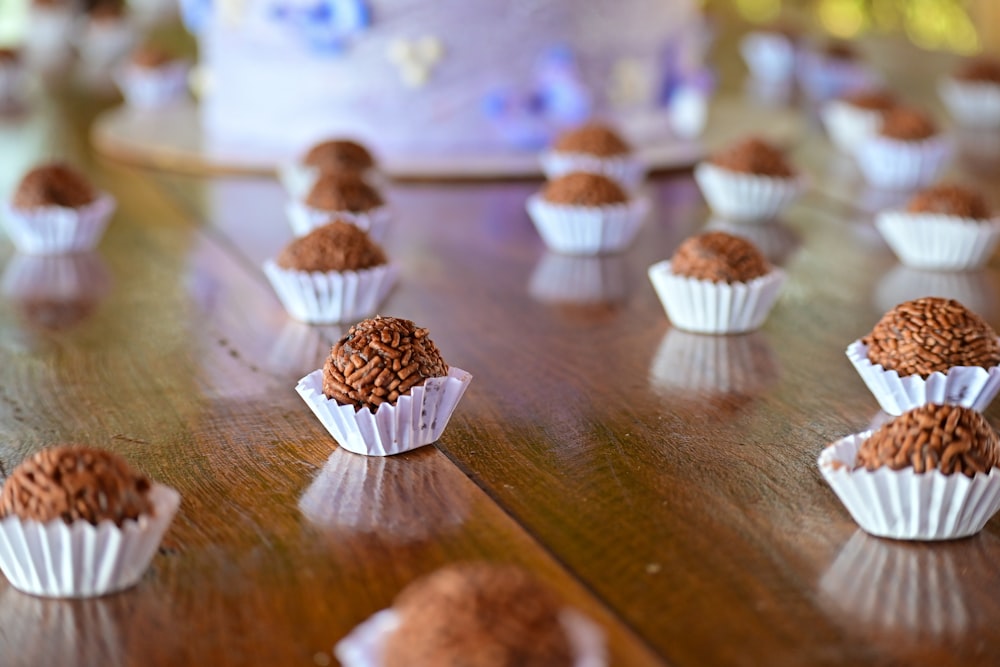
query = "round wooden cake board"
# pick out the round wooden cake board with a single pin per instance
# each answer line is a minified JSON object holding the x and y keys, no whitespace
{"x":171,"y":139}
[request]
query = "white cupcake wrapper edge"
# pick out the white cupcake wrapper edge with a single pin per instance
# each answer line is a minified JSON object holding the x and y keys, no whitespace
{"x":902,"y":165}
{"x":304,"y":219}
{"x":153,"y":88}
{"x":330,"y":297}
{"x":939,"y":242}
{"x":53,"y":230}
{"x":849,"y":126}
{"x":972,"y":104}
{"x":585,"y":230}
{"x":626,"y":170}
{"x":746,"y":197}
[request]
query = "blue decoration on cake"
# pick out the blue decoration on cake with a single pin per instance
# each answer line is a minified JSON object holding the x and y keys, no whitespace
{"x":324,"y":25}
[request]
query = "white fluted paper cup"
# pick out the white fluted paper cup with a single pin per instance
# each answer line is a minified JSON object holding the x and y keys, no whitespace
{"x":969,"y":386}
{"x":849,"y":126}
{"x":939,"y":242}
{"x":52,"y":230}
{"x":364,"y":646}
{"x":627,"y":170}
{"x":905,"y":505}
{"x":746,"y":197}
{"x":972,"y":103}
{"x":769,"y":56}
{"x":57,"y":559}
{"x":587,"y":230}
{"x":417,"y":419}
{"x":152,"y":88}
{"x":902,"y":165}
{"x":329,"y":297}
{"x":702,"y":306}
{"x":304,"y":219}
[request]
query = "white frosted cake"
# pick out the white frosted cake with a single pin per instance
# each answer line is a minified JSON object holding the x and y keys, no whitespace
{"x":412,"y":77}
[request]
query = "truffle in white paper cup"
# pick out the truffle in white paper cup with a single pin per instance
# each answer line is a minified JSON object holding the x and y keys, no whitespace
{"x":742,"y":197}
{"x":770,"y":56}
{"x":417,"y":418}
{"x":969,"y":386}
{"x":304,"y":219}
{"x":151,"y":88}
{"x":939,"y":242}
{"x":703,"y":306}
{"x":906,"y":505}
{"x":848,"y":125}
{"x":52,"y":230}
{"x":297,"y":179}
{"x":902,"y":165}
{"x":972,"y":103}
{"x":627,"y":170}
{"x":56,"y":559}
{"x":363,"y":647}
{"x":587,"y":230}
{"x":329,"y":297}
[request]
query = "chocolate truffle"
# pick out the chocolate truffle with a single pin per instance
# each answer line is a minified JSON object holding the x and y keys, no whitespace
{"x":838,"y":50}
{"x":478,"y":615}
{"x":584,"y":189}
{"x":871,"y":100}
{"x":931,"y":335}
{"x":950,"y":199}
{"x":719,"y":257}
{"x":592,"y":139}
{"x":948,"y":438}
{"x":9,"y":56}
{"x":379,"y":360}
{"x":754,"y":156}
{"x":149,"y":56}
{"x":343,"y":191}
{"x":337,"y":246}
{"x":339,"y":155}
{"x":979,"y":70}
{"x":54,"y":184}
{"x":74,"y":482}
{"x":907,"y":124}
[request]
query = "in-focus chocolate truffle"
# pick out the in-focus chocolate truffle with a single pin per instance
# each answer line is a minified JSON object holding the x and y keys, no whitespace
{"x":950,"y":199}
{"x":871,"y":100}
{"x":584,"y":189}
{"x":379,"y":360}
{"x":54,"y":184}
{"x":948,"y":438}
{"x":907,"y":124}
{"x":719,"y":257}
{"x":149,"y":56}
{"x":478,"y":615}
{"x":338,"y":246}
{"x":979,"y":70}
{"x":592,"y":139}
{"x":74,"y":482}
{"x":339,"y":155}
{"x":931,"y":335}
{"x":343,"y":191}
{"x":754,"y":156}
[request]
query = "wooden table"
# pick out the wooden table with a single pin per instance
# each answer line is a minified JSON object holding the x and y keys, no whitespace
{"x":664,"y":483}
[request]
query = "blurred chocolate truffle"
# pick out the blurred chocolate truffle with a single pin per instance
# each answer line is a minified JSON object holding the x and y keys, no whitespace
{"x":583,"y":189}
{"x":931,"y":335}
{"x":150,"y":56}
{"x":979,"y":70}
{"x":754,"y":156}
{"x":54,"y":184}
{"x":950,"y":199}
{"x":907,"y":124}
{"x":74,"y":482}
{"x":719,"y":257}
{"x":870,"y":100}
{"x":949,"y":438}
{"x":337,"y":246}
{"x":478,"y":615}
{"x":343,"y":191}
{"x":592,"y":139}
{"x":339,"y":155}
{"x":379,"y":360}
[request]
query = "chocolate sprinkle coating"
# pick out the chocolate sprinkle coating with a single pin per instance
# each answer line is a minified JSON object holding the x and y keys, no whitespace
{"x":931,"y":335}
{"x":478,"y":615}
{"x":907,"y":124}
{"x":343,"y":191}
{"x":950,"y":199}
{"x":337,"y":246}
{"x":720,"y":258}
{"x":592,"y":139}
{"x":54,"y":184}
{"x":584,"y":189}
{"x":754,"y":156}
{"x":949,"y":438}
{"x":74,"y":483}
{"x":379,"y":360}
{"x":339,"y":155}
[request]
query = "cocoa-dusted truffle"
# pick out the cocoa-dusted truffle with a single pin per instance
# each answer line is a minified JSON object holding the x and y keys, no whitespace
{"x":592,"y":139}
{"x":839,"y":50}
{"x":949,"y":438}
{"x":871,"y":100}
{"x":379,"y":360}
{"x":337,"y":246}
{"x":343,"y":191}
{"x":9,"y":56}
{"x":907,"y":124}
{"x":979,"y":70}
{"x":339,"y":155}
{"x":931,"y":335}
{"x":584,"y":189}
{"x":54,"y":184}
{"x":149,"y":56}
{"x":754,"y":156}
{"x":950,"y":199}
{"x":74,"y":482}
{"x":478,"y":615}
{"x":719,"y":257}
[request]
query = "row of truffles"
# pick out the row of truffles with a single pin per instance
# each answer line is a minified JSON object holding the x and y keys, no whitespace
{"x":590,"y":204}
{"x":927,"y":474}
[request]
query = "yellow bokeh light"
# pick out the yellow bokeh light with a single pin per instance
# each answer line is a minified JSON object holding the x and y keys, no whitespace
{"x":759,"y":11}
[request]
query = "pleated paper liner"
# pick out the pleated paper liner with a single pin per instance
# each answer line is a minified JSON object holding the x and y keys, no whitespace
{"x":902,"y":165}
{"x":330,"y":297}
{"x":152,"y":88}
{"x":742,"y":197}
{"x":769,"y":56}
{"x":303,"y":219}
{"x":52,"y":230}
{"x":587,"y":230}
{"x":972,"y":103}
{"x":627,"y":170}
{"x":939,"y":242}
{"x":849,"y":126}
